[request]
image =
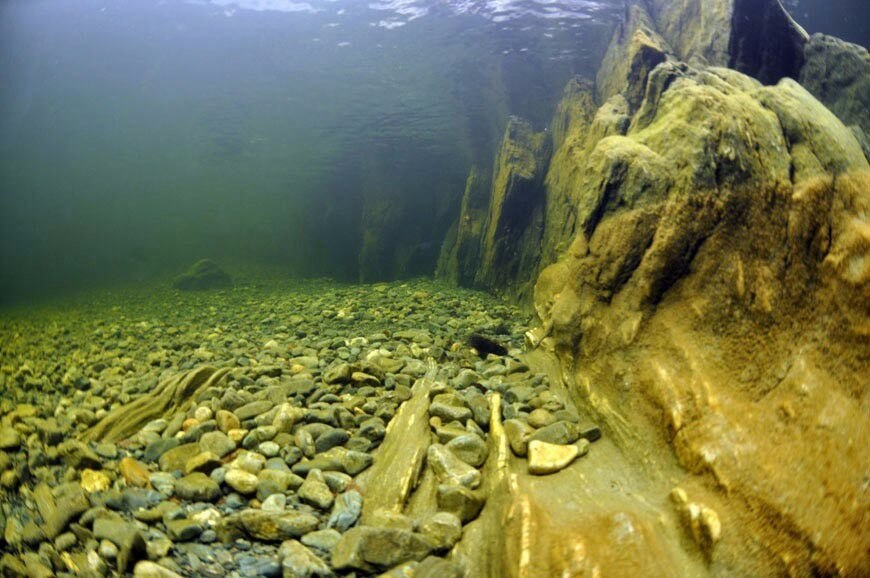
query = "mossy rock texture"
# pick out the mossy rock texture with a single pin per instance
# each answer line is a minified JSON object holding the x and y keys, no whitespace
{"x":204,"y":274}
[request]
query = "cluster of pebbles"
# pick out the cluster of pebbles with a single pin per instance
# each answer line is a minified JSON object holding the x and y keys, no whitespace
{"x":255,"y":476}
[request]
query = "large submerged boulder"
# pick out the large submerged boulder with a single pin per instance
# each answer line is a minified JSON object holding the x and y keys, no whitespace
{"x":713,"y":303}
{"x":204,"y":274}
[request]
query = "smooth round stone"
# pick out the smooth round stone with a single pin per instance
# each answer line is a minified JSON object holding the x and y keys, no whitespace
{"x":241,"y":481}
{"x":163,"y":482}
{"x":469,"y":448}
{"x":197,"y":487}
{"x":250,"y":462}
{"x":274,"y":503}
{"x":541,"y":418}
{"x":269,"y":449}
{"x":108,"y":550}
{"x":202,"y":413}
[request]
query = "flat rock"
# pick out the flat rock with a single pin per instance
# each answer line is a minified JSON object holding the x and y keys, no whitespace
{"x":547,"y":458}
{"x":369,"y":548}
{"x":253,"y":409}
{"x":59,"y":507}
{"x":217,"y":443}
{"x":297,"y":561}
{"x":134,"y":472}
{"x":147,"y":569}
{"x":273,"y":527}
{"x":176,"y":458}
{"x":197,"y":487}
{"x":558,"y":433}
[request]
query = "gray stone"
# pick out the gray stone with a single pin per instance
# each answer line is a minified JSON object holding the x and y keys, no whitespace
{"x":253,"y":409}
{"x":469,"y":448}
{"x":589,"y":431}
{"x":450,"y":412}
{"x":345,"y":511}
{"x":329,"y":439}
{"x":354,"y":462}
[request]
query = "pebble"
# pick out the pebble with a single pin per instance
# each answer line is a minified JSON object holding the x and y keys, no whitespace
{"x":450,"y":469}
{"x":470,"y":448}
{"x":241,"y":481}
{"x":197,"y":487}
{"x":315,"y":492}
{"x":93,"y":481}
{"x":217,"y":443}
{"x":134,"y":472}
{"x":146,"y":569}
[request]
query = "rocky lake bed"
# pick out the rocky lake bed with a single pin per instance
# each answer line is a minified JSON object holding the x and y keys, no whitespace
{"x":233,"y":433}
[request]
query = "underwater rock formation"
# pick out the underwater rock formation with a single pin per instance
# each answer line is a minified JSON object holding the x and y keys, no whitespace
{"x":838,"y":74}
{"x":204,"y":274}
{"x":702,"y":274}
{"x":718,"y":279}
{"x":498,"y":231}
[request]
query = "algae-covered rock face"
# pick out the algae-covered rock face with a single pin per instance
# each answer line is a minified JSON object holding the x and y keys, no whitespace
{"x":838,"y":74}
{"x":712,"y":302}
{"x":204,"y":274}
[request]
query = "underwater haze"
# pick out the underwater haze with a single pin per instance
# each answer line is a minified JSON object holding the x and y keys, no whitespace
{"x":136,"y":137}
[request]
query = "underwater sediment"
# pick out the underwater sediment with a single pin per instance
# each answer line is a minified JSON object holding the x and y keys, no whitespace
{"x":673,"y":384}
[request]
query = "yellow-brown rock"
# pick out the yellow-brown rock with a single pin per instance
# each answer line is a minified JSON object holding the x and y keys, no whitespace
{"x":135,"y":473}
